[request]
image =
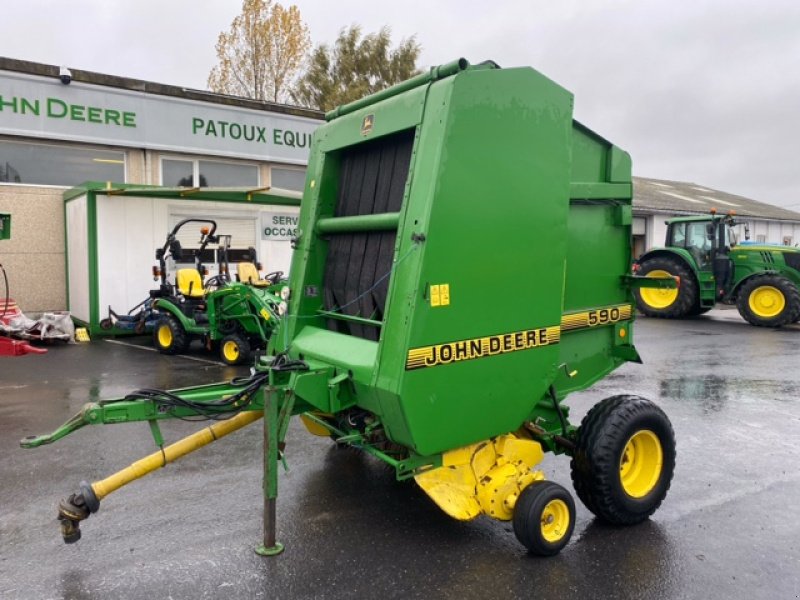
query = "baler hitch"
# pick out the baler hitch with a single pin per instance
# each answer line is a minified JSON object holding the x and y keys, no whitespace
{"x":78,"y":506}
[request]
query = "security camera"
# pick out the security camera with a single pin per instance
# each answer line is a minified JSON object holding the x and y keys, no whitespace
{"x":65,"y":75}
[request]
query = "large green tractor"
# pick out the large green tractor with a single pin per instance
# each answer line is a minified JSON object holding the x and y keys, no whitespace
{"x":762,"y":281}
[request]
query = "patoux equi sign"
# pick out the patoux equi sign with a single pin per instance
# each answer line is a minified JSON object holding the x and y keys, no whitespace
{"x":42,"y":107}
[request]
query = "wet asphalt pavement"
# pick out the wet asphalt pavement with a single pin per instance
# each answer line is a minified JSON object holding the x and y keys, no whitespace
{"x":729,"y":527}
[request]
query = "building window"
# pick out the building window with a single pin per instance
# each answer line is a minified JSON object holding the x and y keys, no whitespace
{"x":40,"y":164}
{"x":177,"y":172}
{"x":288,"y":179}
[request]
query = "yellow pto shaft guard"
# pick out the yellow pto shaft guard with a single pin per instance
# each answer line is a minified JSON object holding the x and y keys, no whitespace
{"x":80,"y":505}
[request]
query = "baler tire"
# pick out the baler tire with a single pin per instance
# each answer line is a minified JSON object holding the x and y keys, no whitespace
{"x":234,"y":349}
{"x":544,"y":518}
{"x":688,"y":298}
{"x":790,"y":297}
{"x":176,"y":342}
{"x":624,"y":459}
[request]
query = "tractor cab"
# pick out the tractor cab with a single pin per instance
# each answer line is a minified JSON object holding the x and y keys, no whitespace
{"x":708,"y":240}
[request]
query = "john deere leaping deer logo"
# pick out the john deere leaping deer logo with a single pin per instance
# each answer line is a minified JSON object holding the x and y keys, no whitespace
{"x":366,"y":124}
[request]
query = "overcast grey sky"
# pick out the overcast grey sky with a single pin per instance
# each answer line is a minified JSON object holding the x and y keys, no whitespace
{"x":706,"y":91}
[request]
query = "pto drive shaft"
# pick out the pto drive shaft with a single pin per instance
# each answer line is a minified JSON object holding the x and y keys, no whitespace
{"x":78,"y":506}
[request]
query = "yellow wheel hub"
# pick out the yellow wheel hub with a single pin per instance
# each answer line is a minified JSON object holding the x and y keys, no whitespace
{"x":641,"y":464}
{"x":230,"y":350}
{"x":658,"y":298}
{"x":555,"y":520}
{"x":767,"y":301}
{"x":165,"y":336}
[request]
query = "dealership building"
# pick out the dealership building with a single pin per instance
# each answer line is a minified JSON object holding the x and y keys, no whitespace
{"x":58,"y":132}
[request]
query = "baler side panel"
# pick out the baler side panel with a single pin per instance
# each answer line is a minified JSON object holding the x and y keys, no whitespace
{"x":498,"y":211}
{"x":598,"y":251}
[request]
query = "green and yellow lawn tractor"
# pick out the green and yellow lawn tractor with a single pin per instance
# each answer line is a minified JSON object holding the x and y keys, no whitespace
{"x":462,"y":174}
{"x":237,"y":317}
{"x":762,"y":281}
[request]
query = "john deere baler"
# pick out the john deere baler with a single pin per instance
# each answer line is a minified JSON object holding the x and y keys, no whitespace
{"x":462,"y":264}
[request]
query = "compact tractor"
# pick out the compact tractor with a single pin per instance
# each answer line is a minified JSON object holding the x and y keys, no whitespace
{"x":237,"y":316}
{"x":464,"y":173}
{"x":762,"y":281}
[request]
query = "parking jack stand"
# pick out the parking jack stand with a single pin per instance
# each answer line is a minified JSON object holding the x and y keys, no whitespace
{"x":270,"y":547}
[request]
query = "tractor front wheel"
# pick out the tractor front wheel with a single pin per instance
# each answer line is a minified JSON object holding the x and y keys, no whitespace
{"x":544,"y":518}
{"x":624,"y":459}
{"x":667,"y":303}
{"x":234,"y":349}
{"x":769,"y":301}
{"x":169,"y":336}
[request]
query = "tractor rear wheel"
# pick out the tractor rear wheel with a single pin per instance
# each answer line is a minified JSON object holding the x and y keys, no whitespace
{"x":624,"y":459}
{"x":234,"y":349}
{"x":169,"y":336}
{"x":667,"y":303}
{"x":544,"y":518}
{"x":768,"y":301}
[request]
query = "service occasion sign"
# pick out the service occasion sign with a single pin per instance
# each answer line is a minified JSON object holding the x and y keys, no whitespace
{"x":43,"y":107}
{"x":278,"y":225}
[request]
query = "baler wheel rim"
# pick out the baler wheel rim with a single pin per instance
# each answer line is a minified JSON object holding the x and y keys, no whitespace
{"x":544,"y":518}
{"x":641,"y":463}
{"x":555,"y":520}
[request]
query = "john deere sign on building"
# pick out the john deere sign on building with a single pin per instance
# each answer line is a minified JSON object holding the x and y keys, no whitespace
{"x":38,"y":107}
{"x":104,"y":128}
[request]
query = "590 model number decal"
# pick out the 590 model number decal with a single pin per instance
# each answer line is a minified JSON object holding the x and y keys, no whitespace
{"x":595,"y":317}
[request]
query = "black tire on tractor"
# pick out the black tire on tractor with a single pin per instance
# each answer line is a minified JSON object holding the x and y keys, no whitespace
{"x":660,"y":303}
{"x":544,"y":518}
{"x":106,"y":324}
{"x":234,"y":349}
{"x":624,"y":459}
{"x":769,"y":301}
{"x":169,"y":336}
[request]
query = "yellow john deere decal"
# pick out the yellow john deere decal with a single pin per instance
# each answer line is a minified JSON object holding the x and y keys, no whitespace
{"x":450,"y":352}
{"x":595,"y":317}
